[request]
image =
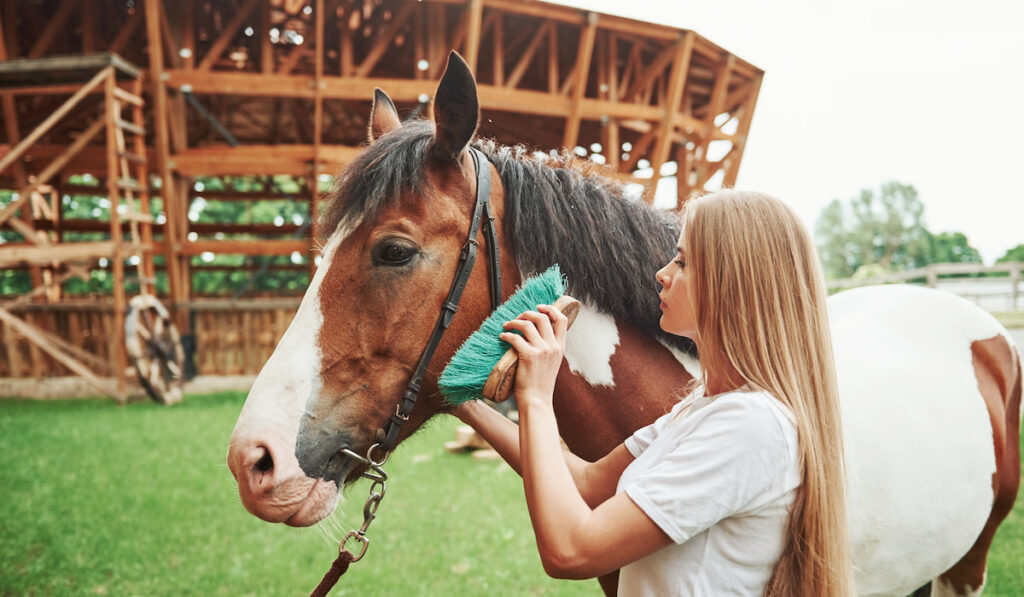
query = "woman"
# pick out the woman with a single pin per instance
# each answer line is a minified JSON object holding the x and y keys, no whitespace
{"x":739,"y":489}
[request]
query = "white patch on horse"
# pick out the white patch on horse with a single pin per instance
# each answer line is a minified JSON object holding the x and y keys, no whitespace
{"x":292,"y":374}
{"x":590,"y":344}
{"x":918,"y":439}
{"x":689,"y":362}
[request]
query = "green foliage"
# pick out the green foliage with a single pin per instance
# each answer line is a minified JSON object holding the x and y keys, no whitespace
{"x":230,"y":275}
{"x":96,"y":499}
{"x":882,"y":232}
{"x":1014,"y":254}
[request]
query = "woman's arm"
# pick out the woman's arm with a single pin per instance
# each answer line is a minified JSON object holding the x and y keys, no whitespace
{"x":574,"y":540}
{"x":596,"y":481}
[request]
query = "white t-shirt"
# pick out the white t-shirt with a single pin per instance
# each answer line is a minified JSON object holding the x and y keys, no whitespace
{"x":719,"y":481}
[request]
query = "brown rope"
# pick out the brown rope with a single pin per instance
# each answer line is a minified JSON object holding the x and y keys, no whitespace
{"x":339,"y":567}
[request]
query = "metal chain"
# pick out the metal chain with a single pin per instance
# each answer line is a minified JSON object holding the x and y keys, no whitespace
{"x":377,"y":490}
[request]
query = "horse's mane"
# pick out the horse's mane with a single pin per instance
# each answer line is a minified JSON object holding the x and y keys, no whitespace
{"x":559,"y":209}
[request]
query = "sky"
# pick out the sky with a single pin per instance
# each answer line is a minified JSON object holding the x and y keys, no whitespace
{"x":858,"y":93}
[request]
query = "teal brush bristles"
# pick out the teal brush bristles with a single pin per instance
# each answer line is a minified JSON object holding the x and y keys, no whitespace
{"x":463,"y":379}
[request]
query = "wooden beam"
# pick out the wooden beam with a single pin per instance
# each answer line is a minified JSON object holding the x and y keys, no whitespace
{"x":723,"y":73}
{"x":585,"y":51}
{"x":384,"y":41}
{"x":472,"y":50}
{"x":266,"y":48}
{"x":654,"y":69}
{"x":245,"y":247}
{"x":498,"y":56}
{"x":67,"y":252}
{"x":34,"y":336}
{"x":226,"y":35}
{"x":172,"y":209}
{"x":25,"y":193}
{"x":741,"y":134}
{"x":125,"y":33}
{"x":57,"y":114}
{"x":54,"y":24}
{"x":676,"y":83}
{"x":553,"y":58}
{"x":527,"y":56}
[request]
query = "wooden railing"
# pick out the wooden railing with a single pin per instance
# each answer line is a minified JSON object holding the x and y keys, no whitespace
{"x":231,"y":337}
{"x":935,"y":274}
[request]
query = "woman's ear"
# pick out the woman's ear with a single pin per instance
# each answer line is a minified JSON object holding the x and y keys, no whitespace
{"x":456,"y":110}
{"x":383,"y":116}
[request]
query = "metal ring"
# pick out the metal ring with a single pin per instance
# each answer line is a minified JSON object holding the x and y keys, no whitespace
{"x":376,"y":463}
{"x":358,"y":537}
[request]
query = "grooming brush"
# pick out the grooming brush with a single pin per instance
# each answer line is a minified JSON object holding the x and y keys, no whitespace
{"x":485,"y":366}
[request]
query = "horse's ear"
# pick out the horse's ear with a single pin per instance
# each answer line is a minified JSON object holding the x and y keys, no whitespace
{"x":383,"y":116}
{"x":456,"y":110}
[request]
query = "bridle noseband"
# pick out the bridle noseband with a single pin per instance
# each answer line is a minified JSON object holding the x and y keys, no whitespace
{"x":375,"y":472}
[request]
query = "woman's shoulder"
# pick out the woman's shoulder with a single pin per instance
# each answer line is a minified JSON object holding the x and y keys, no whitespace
{"x":754,"y":414}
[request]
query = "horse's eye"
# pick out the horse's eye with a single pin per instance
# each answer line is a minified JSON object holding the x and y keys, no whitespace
{"x":394,"y":253}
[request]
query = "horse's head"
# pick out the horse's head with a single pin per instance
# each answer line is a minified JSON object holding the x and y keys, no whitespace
{"x":399,"y":218}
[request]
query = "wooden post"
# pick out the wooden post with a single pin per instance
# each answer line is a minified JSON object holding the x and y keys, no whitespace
{"x":318,"y":115}
{"x":580,"y":74}
{"x":119,"y":358}
{"x":172,"y":208}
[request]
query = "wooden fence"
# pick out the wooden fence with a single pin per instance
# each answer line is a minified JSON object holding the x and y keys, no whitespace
{"x":231,"y":337}
{"x":940,"y":275}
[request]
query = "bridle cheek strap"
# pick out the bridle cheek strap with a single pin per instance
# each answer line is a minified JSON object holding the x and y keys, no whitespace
{"x":481,"y":212}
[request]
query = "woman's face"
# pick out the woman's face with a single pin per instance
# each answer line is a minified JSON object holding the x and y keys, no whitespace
{"x":676,"y":311}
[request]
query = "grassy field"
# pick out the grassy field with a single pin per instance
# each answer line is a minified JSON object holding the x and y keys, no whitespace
{"x":100,"y":500}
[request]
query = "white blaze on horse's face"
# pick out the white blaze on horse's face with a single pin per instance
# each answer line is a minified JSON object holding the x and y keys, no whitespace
{"x":261,"y":454}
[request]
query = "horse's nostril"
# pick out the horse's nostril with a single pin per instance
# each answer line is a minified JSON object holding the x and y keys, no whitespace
{"x":266,"y":463}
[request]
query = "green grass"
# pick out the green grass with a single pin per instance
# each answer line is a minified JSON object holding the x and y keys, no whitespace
{"x":96,"y":499}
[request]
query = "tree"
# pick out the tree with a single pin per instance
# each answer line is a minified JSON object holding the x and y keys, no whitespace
{"x":886,"y":228}
{"x":951,"y":247}
{"x":1014,"y":254}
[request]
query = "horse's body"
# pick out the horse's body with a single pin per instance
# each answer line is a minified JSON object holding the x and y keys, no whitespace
{"x":930,"y":385}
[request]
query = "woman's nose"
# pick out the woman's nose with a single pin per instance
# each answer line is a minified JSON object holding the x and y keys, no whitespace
{"x":661,"y":277}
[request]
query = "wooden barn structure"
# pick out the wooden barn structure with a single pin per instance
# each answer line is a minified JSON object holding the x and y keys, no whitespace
{"x":158,"y":107}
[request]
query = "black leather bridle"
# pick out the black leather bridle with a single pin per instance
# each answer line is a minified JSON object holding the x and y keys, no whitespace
{"x":375,"y":471}
{"x":481,"y":212}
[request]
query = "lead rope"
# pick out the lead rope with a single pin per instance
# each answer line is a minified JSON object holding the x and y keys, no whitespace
{"x":377,"y":489}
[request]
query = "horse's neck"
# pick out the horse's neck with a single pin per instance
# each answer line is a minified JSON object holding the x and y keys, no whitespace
{"x":597,"y":411}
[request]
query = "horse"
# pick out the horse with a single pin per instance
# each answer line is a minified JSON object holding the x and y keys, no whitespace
{"x":930,"y":385}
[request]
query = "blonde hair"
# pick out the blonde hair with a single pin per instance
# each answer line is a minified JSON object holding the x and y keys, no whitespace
{"x":759,"y":305}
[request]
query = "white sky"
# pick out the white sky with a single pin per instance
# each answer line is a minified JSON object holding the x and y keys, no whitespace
{"x":860,"y":92}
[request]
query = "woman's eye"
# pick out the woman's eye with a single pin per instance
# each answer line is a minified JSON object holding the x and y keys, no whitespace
{"x":395,"y":254}
{"x":680,"y":263}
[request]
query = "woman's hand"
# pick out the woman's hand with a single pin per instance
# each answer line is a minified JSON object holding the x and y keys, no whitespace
{"x":541,"y":348}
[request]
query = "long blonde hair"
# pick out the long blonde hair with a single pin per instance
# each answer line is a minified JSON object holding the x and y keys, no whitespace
{"x":759,"y":305}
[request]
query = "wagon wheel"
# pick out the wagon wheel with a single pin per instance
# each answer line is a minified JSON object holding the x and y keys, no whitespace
{"x":155,"y":348}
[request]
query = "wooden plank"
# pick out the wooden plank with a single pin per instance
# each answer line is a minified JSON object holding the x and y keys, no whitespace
{"x":66,"y":252}
{"x":723,"y":73}
{"x":226,"y":35}
{"x":128,"y":98}
{"x":266,"y":48}
{"x":655,"y":68}
{"x":582,"y":71}
{"x":37,"y":339}
{"x":54,"y":117}
{"x":244,"y":247}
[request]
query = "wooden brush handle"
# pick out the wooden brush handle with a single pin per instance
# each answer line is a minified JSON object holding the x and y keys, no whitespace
{"x":502,"y":379}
